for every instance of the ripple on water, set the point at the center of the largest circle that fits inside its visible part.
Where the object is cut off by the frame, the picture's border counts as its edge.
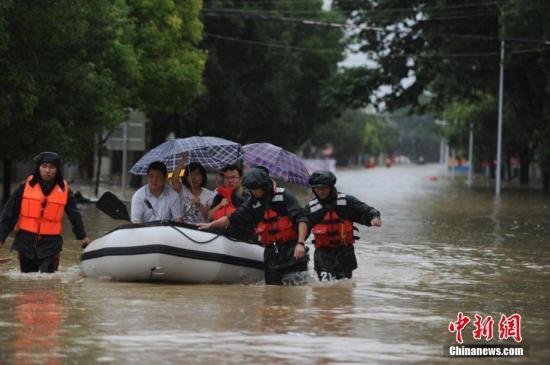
(234, 346)
(72, 273)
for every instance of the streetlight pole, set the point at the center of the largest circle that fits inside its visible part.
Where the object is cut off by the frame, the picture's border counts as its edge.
(499, 133)
(124, 157)
(471, 155)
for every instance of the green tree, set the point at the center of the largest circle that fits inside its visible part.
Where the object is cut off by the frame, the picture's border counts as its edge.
(65, 69)
(71, 67)
(265, 77)
(482, 114)
(167, 33)
(355, 133)
(450, 49)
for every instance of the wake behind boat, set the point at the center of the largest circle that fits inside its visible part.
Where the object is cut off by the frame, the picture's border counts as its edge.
(171, 251)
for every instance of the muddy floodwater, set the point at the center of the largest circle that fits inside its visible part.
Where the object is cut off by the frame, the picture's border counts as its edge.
(443, 249)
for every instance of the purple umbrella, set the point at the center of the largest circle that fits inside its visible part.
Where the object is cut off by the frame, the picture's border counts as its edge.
(281, 163)
(211, 152)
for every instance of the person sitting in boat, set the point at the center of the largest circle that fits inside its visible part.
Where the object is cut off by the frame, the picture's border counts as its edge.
(196, 199)
(280, 224)
(331, 215)
(156, 201)
(37, 208)
(230, 195)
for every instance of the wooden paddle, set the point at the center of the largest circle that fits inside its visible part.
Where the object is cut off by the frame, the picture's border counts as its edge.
(113, 206)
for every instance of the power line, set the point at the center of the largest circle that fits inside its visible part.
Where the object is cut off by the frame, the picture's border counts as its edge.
(381, 29)
(273, 45)
(452, 15)
(361, 2)
(293, 20)
(469, 55)
(411, 55)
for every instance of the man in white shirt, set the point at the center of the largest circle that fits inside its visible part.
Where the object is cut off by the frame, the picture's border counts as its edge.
(156, 200)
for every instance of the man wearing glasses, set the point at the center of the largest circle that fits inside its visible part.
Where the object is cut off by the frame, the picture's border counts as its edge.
(229, 197)
(37, 207)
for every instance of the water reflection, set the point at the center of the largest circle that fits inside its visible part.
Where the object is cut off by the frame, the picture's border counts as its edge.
(38, 339)
(331, 309)
(279, 310)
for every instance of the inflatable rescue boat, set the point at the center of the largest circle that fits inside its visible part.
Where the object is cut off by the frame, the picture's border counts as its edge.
(168, 251)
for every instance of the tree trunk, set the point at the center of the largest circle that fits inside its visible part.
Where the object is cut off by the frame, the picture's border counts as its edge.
(508, 167)
(525, 162)
(546, 180)
(7, 180)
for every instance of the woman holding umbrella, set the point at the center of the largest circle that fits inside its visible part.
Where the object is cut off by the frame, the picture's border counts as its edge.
(196, 199)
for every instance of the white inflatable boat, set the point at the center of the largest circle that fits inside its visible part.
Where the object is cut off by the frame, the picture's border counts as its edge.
(172, 252)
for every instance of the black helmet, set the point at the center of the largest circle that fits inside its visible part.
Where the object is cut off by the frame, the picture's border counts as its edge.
(322, 178)
(256, 178)
(48, 157)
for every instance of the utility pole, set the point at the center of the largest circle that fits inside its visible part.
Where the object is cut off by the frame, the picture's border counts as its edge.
(124, 157)
(442, 151)
(500, 103)
(471, 155)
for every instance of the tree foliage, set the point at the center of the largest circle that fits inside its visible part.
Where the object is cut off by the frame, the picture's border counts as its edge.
(265, 77)
(65, 66)
(356, 133)
(166, 37)
(450, 51)
(71, 67)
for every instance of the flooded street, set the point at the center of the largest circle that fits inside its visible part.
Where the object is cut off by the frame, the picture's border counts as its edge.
(443, 249)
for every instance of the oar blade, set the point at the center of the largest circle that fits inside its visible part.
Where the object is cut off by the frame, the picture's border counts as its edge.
(112, 206)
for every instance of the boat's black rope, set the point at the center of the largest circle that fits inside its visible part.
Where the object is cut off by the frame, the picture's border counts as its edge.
(174, 225)
(191, 239)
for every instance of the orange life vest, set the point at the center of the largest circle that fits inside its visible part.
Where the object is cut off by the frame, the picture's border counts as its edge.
(333, 231)
(226, 193)
(275, 228)
(42, 214)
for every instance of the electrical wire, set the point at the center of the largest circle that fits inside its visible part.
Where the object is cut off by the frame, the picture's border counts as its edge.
(273, 45)
(360, 2)
(410, 55)
(380, 29)
(432, 17)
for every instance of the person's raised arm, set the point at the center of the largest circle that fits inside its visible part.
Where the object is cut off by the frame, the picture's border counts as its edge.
(364, 214)
(175, 181)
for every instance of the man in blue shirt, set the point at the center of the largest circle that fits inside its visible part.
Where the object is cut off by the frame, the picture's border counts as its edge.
(165, 203)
